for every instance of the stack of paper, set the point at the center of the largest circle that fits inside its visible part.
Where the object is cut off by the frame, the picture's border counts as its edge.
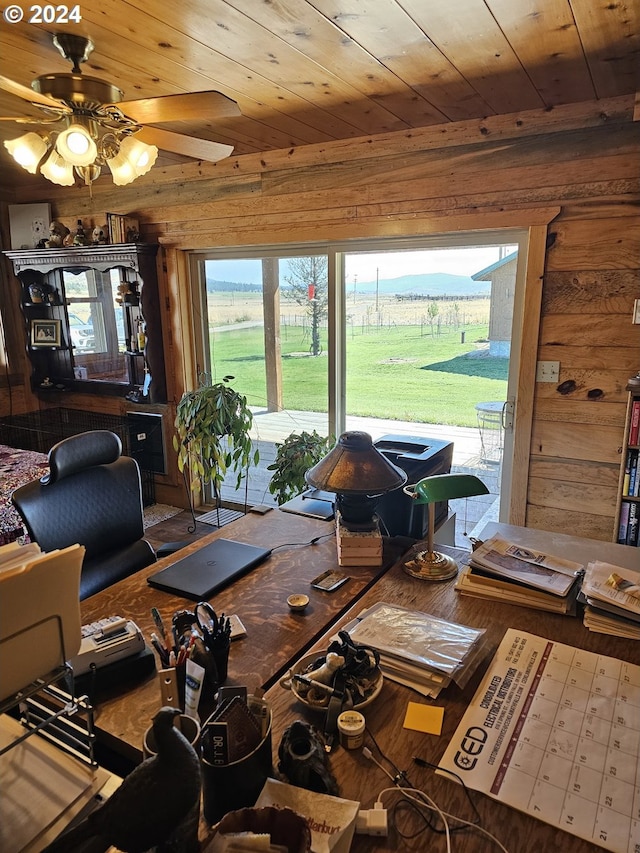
(612, 597)
(505, 571)
(43, 789)
(417, 649)
(358, 548)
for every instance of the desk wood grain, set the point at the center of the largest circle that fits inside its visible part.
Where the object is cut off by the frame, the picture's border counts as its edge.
(361, 780)
(275, 635)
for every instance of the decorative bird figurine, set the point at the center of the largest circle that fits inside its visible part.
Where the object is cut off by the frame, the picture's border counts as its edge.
(151, 802)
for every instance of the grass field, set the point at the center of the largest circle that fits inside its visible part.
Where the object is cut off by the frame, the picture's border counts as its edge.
(393, 371)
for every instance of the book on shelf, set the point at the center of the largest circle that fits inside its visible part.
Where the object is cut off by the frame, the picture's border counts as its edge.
(122, 229)
(631, 484)
(634, 425)
(623, 525)
(633, 524)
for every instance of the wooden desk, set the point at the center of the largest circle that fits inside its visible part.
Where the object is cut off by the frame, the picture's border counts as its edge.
(275, 635)
(360, 779)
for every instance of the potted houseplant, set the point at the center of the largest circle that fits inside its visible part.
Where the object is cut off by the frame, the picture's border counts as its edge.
(212, 435)
(294, 456)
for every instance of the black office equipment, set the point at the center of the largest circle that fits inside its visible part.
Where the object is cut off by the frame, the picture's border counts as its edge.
(200, 574)
(419, 457)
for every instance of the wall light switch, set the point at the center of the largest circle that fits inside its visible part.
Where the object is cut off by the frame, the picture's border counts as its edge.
(636, 311)
(547, 371)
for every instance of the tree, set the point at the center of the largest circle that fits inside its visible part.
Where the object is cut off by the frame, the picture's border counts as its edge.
(308, 281)
(432, 313)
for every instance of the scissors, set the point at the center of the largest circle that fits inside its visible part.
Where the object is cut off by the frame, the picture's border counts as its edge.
(211, 627)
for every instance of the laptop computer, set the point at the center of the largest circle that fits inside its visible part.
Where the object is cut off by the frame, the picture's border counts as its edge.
(312, 503)
(201, 574)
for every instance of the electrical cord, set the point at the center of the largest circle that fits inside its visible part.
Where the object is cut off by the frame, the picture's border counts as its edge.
(313, 541)
(419, 800)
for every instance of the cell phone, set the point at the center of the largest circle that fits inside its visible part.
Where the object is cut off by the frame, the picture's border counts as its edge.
(329, 581)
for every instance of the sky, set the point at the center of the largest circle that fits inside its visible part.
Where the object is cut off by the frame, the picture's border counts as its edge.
(388, 264)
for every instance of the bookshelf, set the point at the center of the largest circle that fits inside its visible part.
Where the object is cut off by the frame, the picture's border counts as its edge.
(627, 523)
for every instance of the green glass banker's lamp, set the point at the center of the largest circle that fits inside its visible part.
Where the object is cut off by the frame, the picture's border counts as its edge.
(430, 565)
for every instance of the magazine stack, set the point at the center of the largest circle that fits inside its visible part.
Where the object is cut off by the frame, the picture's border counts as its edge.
(506, 571)
(612, 600)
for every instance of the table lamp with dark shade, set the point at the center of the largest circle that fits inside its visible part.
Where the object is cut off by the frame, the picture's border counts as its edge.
(430, 565)
(358, 473)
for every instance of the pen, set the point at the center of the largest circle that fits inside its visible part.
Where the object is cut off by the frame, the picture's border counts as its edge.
(162, 652)
(157, 618)
(311, 683)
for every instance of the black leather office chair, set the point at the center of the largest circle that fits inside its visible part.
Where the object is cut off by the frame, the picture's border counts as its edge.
(92, 496)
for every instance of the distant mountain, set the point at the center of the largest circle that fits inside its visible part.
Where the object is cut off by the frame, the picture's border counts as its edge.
(430, 283)
(214, 286)
(424, 284)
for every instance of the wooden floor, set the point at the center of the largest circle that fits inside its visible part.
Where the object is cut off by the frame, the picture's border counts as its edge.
(176, 529)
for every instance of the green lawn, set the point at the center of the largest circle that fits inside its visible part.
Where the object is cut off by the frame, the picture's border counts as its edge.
(394, 372)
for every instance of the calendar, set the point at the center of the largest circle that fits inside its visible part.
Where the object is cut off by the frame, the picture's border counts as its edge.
(554, 731)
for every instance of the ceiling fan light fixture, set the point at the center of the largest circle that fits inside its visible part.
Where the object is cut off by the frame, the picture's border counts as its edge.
(57, 170)
(76, 145)
(27, 150)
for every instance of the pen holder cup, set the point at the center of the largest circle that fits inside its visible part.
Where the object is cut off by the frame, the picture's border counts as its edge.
(173, 681)
(237, 785)
(221, 657)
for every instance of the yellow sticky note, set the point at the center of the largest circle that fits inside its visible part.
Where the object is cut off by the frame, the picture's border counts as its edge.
(424, 718)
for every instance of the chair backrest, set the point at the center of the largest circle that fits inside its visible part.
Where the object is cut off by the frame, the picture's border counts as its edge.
(92, 496)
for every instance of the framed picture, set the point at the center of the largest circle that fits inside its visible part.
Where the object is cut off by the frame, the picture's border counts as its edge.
(28, 224)
(46, 333)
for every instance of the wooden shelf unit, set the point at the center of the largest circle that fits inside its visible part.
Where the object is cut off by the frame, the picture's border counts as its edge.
(627, 523)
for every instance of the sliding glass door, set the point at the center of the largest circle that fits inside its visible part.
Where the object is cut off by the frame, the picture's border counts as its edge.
(404, 337)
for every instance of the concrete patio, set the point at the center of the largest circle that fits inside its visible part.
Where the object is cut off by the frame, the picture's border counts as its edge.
(469, 456)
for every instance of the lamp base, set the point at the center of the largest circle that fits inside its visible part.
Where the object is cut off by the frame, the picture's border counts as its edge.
(431, 566)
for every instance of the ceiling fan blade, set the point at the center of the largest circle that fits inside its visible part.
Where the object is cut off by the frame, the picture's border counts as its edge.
(28, 94)
(190, 146)
(194, 105)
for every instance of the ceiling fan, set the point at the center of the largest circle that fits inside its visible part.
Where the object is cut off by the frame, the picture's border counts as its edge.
(88, 125)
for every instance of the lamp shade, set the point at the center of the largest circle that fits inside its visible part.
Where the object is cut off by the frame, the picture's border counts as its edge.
(57, 170)
(134, 158)
(355, 467)
(27, 150)
(446, 487)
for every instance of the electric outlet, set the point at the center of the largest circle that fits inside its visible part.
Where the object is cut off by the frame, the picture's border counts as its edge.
(547, 371)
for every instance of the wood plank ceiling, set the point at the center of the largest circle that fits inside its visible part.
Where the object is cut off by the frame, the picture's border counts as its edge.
(312, 71)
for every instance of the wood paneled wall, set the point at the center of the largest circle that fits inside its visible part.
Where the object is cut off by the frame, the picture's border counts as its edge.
(582, 160)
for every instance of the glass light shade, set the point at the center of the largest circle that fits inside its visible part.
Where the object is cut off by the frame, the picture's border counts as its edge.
(134, 158)
(57, 170)
(27, 150)
(76, 146)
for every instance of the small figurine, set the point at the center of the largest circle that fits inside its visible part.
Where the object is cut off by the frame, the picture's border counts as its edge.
(80, 238)
(98, 236)
(57, 234)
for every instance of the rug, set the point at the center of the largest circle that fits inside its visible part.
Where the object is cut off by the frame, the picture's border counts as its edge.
(157, 513)
(17, 467)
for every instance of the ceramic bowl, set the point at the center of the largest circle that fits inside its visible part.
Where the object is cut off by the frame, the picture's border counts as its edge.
(289, 683)
(298, 602)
